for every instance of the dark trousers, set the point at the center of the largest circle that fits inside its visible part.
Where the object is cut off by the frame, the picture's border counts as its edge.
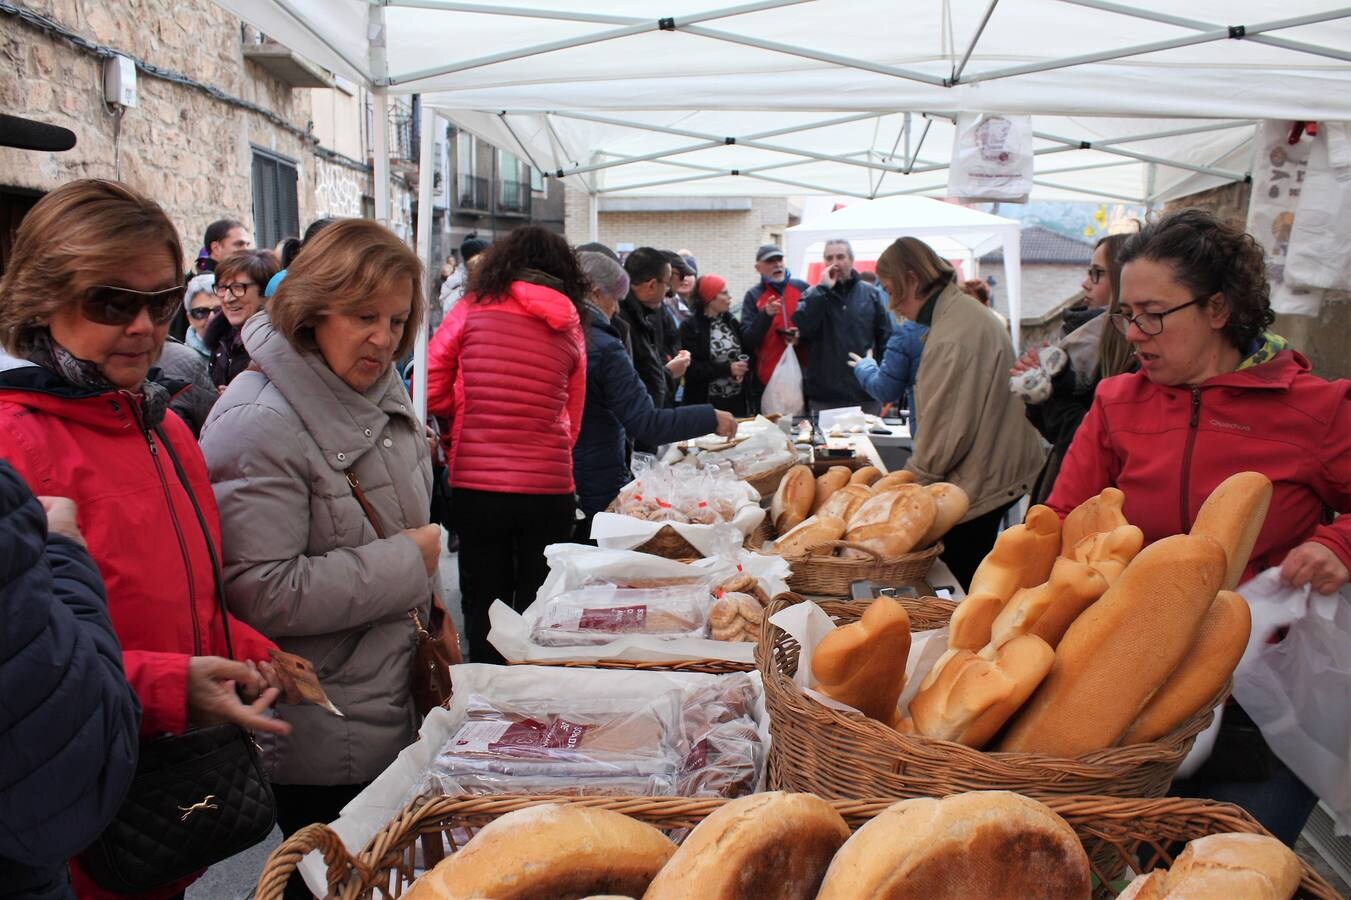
(502, 541)
(967, 544)
(299, 805)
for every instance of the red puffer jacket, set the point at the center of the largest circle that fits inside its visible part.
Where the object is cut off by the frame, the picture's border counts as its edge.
(512, 377)
(142, 532)
(1167, 448)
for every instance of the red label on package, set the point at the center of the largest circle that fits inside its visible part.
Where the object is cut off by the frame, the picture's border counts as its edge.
(529, 734)
(613, 619)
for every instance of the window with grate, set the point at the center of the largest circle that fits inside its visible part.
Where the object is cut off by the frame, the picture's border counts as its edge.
(276, 205)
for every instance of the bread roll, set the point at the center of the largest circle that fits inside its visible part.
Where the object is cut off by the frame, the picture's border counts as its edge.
(1109, 552)
(828, 483)
(792, 502)
(973, 697)
(893, 522)
(893, 480)
(551, 850)
(952, 505)
(862, 664)
(865, 476)
(1233, 514)
(772, 845)
(986, 844)
(1199, 677)
(1022, 557)
(1121, 650)
(1221, 867)
(1048, 609)
(815, 530)
(846, 501)
(1094, 515)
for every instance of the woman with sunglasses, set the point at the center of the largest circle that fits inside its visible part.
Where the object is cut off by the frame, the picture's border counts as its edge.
(1216, 394)
(240, 280)
(200, 303)
(85, 305)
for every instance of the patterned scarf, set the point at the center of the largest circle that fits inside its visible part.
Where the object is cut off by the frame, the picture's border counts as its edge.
(81, 373)
(1264, 350)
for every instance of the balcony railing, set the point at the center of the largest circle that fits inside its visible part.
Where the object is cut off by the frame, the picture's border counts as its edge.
(514, 198)
(473, 193)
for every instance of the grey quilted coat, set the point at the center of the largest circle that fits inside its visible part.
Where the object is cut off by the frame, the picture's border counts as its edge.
(302, 563)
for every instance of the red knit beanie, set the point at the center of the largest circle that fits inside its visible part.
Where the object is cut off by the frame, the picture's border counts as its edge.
(710, 286)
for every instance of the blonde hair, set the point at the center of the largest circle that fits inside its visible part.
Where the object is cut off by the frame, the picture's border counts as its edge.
(911, 255)
(72, 239)
(338, 271)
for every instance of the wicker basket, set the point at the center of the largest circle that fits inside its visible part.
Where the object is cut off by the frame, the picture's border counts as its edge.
(830, 576)
(768, 482)
(667, 541)
(839, 755)
(704, 666)
(1138, 833)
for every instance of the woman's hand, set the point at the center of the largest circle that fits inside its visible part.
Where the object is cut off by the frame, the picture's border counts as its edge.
(212, 697)
(854, 360)
(1029, 360)
(428, 540)
(1314, 564)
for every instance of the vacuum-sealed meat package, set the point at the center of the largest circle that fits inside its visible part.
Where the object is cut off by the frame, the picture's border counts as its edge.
(598, 613)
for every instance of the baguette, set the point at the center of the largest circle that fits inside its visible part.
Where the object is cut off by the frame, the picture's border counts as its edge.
(828, 483)
(810, 533)
(865, 476)
(973, 697)
(1022, 557)
(1094, 515)
(1109, 552)
(846, 501)
(1121, 650)
(952, 504)
(1233, 514)
(1199, 677)
(863, 664)
(792, 502)
(893, 522)
(1250, 866)
(1048, 609)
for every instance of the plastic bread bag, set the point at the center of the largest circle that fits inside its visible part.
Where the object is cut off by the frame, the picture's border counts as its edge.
(597, 613)
(722, 750)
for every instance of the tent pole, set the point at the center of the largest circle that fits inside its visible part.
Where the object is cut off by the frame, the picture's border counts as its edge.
(847, 62)
(425, 219)
(1143, 157)
(971, 47)
(380, 134)
(593, 216)
(450, 6)
(1101, 194)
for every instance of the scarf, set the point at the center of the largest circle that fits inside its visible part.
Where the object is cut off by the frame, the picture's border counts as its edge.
(778, 286)
(1264, 349)
(83, 374)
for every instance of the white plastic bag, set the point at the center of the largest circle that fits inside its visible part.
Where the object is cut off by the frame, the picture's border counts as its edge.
(1320, 255)
(783, 394)
(991, 158)
(1296, 691)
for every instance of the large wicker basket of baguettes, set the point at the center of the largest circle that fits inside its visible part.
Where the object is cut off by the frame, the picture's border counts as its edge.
(850, 524)
(1131, 835)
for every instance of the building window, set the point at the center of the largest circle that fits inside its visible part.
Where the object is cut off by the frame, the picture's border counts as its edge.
(276, 206)
(513, 193)
(538, 183)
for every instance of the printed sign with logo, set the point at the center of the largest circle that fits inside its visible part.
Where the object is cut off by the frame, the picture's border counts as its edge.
(991, 158)
(1277, 184)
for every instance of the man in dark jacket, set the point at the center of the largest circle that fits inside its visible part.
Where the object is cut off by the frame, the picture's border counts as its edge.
(68, 718)
(650, 330)
(843, 314)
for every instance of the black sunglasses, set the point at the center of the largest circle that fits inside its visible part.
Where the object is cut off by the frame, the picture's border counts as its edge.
(111, 305)
(203, 312)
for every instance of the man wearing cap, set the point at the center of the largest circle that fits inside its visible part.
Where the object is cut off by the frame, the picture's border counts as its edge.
(767, 310)
(843, 314)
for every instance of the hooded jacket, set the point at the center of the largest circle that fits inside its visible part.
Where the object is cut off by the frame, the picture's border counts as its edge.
(836, 321)
(511, 376)
(618, 407)
(68, 723)
(1168, 447)
(303, 564)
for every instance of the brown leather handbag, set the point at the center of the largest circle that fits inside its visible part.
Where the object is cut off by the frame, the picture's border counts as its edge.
(437, 643)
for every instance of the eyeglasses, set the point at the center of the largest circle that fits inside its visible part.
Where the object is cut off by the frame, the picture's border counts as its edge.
(203, 312)
(1150, 323)
(111, 305)
(1095, 274)
(238, 288)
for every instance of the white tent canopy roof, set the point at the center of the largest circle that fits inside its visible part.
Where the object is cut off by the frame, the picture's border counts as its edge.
(1136, 102)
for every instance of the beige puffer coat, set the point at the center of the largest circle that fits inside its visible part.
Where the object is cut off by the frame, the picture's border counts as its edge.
(303, 565)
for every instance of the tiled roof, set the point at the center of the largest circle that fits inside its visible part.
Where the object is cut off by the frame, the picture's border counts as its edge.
(1041, 245)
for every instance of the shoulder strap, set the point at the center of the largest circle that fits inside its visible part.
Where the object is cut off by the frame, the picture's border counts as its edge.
(365, 504)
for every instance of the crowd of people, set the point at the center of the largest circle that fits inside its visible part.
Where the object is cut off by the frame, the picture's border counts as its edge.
(267, 472)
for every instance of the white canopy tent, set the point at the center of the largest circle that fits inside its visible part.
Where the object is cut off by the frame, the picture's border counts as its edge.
(953, 231)
(1131, 102)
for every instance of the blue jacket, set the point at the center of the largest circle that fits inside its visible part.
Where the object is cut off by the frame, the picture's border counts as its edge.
(68, 718)
(848, 317)
(894, 378)
(618, 407)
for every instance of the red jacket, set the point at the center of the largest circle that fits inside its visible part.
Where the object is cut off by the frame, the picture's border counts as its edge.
(142, 532)
(511, 375)
(1167, 448)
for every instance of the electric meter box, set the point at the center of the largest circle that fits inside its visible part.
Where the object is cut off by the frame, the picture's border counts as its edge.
(119, 81)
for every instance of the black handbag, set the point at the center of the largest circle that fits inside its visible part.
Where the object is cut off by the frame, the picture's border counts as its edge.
(198, 797)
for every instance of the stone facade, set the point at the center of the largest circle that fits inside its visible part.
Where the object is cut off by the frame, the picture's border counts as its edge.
(191, 151)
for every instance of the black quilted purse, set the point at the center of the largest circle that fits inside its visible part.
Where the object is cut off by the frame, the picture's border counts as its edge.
(198, 797)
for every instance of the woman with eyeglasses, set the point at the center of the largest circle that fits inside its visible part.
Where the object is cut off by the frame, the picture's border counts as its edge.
(85, 305)
(1093, 351)
(240, 281)
(1216, 394)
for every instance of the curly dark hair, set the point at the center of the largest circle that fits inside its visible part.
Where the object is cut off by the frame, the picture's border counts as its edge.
(1210, 256)
(524, 255)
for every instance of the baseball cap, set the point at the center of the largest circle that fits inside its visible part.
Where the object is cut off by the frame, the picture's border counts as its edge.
(27, 134)
(768, 251)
